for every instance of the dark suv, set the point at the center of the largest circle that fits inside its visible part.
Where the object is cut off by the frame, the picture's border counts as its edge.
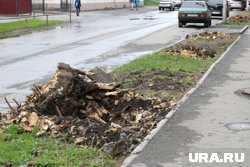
(216, 7)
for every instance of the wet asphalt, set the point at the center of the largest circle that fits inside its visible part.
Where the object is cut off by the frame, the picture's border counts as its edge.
(216, 116)
(106, 38)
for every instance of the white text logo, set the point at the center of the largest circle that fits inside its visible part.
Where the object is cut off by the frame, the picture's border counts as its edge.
(216, 158)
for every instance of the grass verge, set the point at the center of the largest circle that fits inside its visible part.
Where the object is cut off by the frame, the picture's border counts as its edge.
(21, 24)
(151, 3)
(19, 148)
(168, 76)
(163, 61)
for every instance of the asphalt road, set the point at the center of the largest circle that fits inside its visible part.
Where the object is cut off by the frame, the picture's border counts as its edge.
(98, 38)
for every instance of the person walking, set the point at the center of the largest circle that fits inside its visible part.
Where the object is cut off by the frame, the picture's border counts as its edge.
(132, 4)
(78, 6)
(137, 3)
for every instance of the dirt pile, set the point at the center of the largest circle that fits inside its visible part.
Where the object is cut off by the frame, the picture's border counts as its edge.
(240, 18)
(190, 50)
(88, 112)
(209, 36)
(200, 45)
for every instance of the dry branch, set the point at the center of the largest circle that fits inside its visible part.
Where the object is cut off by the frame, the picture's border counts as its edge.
(6, 100)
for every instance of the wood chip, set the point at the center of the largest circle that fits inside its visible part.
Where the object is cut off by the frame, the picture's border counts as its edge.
(26, 128)
(33, 119)
(80, 140)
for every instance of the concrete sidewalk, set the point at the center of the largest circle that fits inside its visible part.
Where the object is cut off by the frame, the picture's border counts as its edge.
(215, 115)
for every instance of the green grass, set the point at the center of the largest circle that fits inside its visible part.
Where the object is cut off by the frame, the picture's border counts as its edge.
(18, 148)
(31, 23)
(151, 3)
(162, 61)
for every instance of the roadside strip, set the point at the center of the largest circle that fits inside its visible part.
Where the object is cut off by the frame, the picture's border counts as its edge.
(149, 137)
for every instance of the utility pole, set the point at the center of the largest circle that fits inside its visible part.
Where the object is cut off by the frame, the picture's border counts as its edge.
(70, 11)
(43, 6)
(224, 11)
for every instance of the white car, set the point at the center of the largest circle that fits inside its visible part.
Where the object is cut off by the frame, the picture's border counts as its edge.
(166, 4)
(177, 3)
(237, 4)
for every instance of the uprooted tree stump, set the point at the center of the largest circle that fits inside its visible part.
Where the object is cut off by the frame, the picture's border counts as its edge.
(91, 113)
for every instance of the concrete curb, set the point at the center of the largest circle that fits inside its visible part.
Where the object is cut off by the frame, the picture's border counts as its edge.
(243, 29)
(150, 136)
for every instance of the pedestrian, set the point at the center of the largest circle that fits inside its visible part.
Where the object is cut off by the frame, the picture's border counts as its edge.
(78, 6)
(132, 4)
(137, 3)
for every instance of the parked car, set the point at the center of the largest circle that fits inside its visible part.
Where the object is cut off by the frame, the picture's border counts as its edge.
(177, 3)
(237, 4)
(194, 12)
(216, 6)
(166, 4)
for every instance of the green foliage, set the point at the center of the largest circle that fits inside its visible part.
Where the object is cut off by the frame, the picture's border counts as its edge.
(31, 23)
(151, 3)
(18, 148)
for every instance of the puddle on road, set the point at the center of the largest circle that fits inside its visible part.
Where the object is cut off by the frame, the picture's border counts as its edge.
(243, 92)
(241, 126)
(246, 91)
(134, 19)
(149, 18)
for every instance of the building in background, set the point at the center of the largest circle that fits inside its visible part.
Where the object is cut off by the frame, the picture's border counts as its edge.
(64, 5)
(15, 7)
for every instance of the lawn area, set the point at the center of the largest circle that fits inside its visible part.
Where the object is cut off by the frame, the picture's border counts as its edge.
(162, 75)
(167, 75)
(31, 23)
(151, 3)
(20, 148)
(163, 61)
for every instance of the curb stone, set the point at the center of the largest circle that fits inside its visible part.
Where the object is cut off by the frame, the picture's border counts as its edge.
(243, 29)
(150, 136)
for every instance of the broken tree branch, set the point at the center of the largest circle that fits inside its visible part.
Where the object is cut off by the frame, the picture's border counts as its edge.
(6, 100)
(37, 89)
(59, 111)
(18, 104)
(95, 117)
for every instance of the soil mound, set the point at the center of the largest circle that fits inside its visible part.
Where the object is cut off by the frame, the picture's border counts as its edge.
(89, 112)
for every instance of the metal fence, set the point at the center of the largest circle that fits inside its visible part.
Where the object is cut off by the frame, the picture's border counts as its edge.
(45, 5)
(15, 6)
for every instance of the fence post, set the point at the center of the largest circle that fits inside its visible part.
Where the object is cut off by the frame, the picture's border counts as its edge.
(47, 20)
(17, 7)
(31, 7)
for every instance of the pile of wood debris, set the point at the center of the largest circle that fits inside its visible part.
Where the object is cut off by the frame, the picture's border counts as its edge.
(209, 36)
(240, 18)
(91, 113)
(191, 50)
